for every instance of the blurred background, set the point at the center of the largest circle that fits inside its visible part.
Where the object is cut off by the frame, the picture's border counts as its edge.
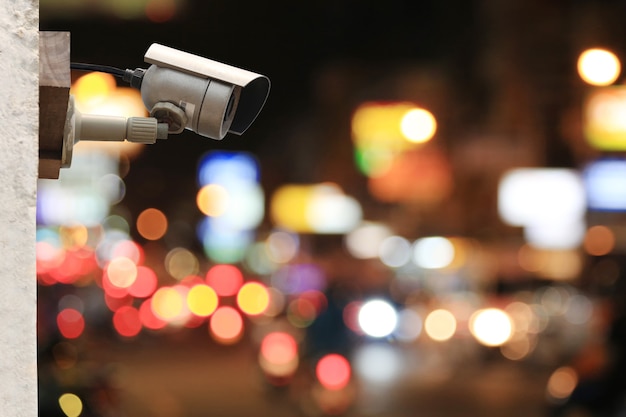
(426, 219)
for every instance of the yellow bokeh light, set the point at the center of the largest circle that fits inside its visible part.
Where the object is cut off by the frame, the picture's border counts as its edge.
(289, 207)
(212, 200)
(562, 382)
(92, 89)
(253, 298)
(318, 208)
(418, 125)
(122, 101)
(598, 67)
(491, 326)
(75, 236)
(604, 125)
(202, 300)
(71, 404)
(440, 325)
(383, 130)
(97, 93)
(167, 303)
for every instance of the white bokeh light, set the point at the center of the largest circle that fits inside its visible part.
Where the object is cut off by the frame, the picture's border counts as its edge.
(377, 318)
(433, 252)
(378, 363)
(598, 67)
(395, 251)
(409, 325)
(363, 242)
(491, 326)
(418, 125)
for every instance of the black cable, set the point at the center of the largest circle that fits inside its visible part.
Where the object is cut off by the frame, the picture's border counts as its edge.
(100, 68)
(133, 77)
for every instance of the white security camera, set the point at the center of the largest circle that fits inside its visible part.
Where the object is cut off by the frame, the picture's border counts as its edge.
(181, 91)
(202, 95)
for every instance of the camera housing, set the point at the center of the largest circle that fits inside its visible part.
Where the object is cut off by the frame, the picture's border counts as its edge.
(208, 97)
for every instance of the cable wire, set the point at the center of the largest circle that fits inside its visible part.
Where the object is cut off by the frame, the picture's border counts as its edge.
(117, 72)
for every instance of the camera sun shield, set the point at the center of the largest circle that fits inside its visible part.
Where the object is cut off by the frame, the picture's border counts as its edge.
(216, 98)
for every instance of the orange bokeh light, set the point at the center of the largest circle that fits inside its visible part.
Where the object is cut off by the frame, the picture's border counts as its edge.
(226, 325)
(599, 240)
(212, 200)
(152, 224)
(279, 347)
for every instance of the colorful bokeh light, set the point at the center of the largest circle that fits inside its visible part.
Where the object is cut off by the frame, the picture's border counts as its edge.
(167, 303)
(152, 224)
(202, 300)
(225, 279)
(278, 354)
(333, 371)
(127, 321)
(121, 272)
(212, 200)
(253, 298)
(70, 323)
(418, 125)
(562, 383)
(491, 326)
(604, 126)
(598, 66)
(440, 325)
(314, 208)
(226, 325)
(145, 284)
(71, 404)
(377, 318)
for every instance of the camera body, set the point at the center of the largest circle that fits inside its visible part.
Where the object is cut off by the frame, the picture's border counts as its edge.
(208, 97)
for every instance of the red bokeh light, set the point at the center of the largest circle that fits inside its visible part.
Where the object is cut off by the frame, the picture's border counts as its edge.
(126, 321)
(145, 283)
(70, 323)
(114, 303)
(333, 371)
(225, 279)
(148, 318)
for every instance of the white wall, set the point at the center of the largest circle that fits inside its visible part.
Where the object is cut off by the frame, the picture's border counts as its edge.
(19, 113)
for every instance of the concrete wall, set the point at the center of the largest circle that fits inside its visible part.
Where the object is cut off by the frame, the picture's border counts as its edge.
(19, 113)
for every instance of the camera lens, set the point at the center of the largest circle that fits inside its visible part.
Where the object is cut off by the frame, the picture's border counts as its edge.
(230, 107)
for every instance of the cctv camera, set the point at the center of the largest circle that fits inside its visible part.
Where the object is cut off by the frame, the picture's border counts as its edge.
(199, 94)
(181, 91)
